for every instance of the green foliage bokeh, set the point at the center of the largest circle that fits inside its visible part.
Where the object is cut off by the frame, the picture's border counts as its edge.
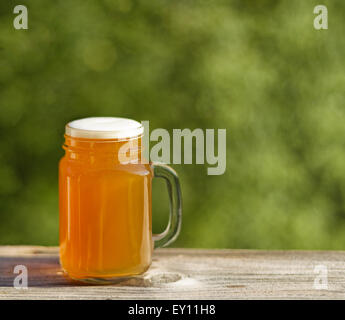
(257, 68)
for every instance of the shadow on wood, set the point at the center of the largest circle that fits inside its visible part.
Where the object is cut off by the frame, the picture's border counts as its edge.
(44, 270)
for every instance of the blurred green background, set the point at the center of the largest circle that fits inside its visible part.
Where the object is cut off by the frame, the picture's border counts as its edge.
(257, 68)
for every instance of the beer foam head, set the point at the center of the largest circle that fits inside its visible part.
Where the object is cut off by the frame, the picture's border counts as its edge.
(104, 128)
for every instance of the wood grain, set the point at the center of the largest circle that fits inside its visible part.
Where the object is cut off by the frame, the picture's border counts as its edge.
(184, 274)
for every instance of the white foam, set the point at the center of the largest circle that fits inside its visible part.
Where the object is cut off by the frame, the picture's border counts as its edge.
(104, 128)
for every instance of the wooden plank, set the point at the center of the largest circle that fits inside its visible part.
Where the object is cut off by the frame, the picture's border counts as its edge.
(184, 274)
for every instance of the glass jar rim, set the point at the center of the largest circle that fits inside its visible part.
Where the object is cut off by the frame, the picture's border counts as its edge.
(104, 128)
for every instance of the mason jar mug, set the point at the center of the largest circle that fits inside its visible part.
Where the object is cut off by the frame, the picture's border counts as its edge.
(105, 203)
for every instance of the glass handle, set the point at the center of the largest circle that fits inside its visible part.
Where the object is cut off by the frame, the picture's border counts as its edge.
(174, 190)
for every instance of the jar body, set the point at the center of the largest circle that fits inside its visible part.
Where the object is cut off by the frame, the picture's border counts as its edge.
(105, 212)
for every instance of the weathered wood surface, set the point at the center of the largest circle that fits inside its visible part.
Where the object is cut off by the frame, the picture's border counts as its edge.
(184, 274)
